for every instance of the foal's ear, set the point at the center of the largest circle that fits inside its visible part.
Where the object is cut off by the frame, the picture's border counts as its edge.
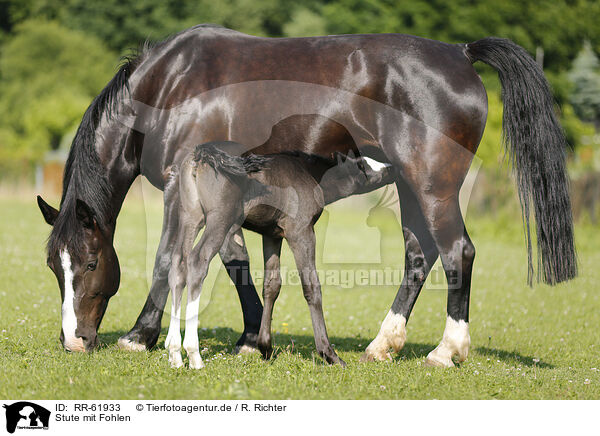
(85, 214)
(339, 157)
(48, 211)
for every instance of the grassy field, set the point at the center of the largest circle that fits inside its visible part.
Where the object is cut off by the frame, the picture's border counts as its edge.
(536, 343)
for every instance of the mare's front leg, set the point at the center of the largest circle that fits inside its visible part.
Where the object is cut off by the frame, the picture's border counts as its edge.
(146, 330)
(235, 258)
(302, 244)
(271, 288)
(217, 228)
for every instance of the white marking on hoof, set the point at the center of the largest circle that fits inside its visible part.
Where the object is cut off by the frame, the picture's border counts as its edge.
(175, 359)
(391, 335)
(128, 345)
(173, 340)
(376, 165)
(69, 319)
(190, 341)
(195, 360)
(245, 349)
(455, 343)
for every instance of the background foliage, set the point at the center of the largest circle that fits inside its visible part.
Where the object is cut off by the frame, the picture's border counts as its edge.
(56, 56)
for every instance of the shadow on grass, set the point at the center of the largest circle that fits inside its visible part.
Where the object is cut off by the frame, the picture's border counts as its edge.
(223, 339)
(513, 357)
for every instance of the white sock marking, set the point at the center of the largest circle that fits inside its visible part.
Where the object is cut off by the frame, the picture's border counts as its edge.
(69, 319)
(391, 335)
(173, 341)
(190, 341)
(455, 342)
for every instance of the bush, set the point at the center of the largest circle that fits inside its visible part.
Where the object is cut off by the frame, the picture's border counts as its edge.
(49, 76)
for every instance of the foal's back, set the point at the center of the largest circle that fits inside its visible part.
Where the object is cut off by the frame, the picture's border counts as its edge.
(268, 192)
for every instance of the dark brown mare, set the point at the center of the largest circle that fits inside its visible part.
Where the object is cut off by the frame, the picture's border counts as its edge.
(409, 101)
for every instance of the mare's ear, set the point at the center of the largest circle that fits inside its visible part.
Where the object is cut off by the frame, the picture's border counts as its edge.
(48, 211)
(85, 214)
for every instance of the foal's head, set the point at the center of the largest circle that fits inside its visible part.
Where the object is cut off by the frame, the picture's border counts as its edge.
(354, 175)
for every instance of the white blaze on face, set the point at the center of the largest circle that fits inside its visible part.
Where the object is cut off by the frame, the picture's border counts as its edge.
(69, 320)
(375, 165)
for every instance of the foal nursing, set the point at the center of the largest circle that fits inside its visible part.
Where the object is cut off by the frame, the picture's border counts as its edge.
(279, 196)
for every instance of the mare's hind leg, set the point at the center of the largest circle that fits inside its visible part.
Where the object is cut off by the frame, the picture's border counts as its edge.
(187, 230)
(434, 167)
(457, 253)
(302, 244)
(271, 288)
(420, 255)
(217, 229)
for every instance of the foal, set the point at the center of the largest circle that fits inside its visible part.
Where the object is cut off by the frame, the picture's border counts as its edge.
(279, 196)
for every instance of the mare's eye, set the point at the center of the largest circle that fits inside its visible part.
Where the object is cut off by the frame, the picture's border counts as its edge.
(92, 265)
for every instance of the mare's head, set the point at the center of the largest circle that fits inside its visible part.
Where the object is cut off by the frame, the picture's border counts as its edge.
(82, 257)
(80, 247)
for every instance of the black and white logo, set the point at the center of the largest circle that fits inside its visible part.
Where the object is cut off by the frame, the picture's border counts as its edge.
(26, 415)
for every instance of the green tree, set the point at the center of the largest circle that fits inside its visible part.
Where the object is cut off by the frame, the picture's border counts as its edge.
(585, 78)
(49, 75)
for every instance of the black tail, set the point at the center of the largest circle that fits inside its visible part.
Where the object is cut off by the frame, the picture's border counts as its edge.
(212, 155)
(536, 146)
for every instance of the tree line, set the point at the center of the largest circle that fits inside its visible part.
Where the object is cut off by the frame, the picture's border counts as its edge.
(55, 56)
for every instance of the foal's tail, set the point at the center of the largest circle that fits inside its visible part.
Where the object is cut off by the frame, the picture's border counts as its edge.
(536, 147)
(212, 155)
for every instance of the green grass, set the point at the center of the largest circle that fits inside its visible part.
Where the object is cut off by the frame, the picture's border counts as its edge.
(540, 343)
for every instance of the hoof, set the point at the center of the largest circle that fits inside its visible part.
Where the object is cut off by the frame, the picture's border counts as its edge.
(245, 349)
(341, 363)
(369, 356)
(438, 362)
(247, 344)
(195, 361)
(175, 360)
(129, 345)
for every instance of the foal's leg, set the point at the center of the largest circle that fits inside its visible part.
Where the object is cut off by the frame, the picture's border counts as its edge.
(187, 231)
(271, 288)
(302, 244)
(420, 255)
(198, 261)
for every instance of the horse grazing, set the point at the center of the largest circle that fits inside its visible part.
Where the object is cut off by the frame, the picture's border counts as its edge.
(279, 196)
(412, 102)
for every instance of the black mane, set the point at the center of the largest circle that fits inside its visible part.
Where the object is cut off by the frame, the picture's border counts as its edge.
(83, 166)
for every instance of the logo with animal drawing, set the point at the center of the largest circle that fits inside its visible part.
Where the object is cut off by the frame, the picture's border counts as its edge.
(27, 416)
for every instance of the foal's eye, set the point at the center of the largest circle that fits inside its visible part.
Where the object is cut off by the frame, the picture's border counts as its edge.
(92, 265)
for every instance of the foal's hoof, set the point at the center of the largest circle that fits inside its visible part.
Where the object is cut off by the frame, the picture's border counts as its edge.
(127, 344)
(175, 360)
(433, 360)
(195, 361)
(381, 356)
(341, 363)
